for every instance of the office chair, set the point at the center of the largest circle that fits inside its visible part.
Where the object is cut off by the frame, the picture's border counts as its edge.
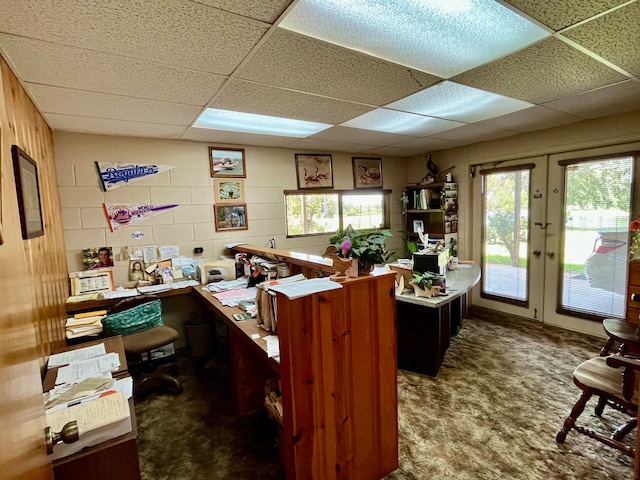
(613, 380)
(139, 320)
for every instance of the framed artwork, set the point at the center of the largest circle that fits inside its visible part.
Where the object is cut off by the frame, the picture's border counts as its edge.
(367, 172)
(231, 217)
(26, 174)
(418, 226)
(314, 171)
(227, 162)
(228, 191)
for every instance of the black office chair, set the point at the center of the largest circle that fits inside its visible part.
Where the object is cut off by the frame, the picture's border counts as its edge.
(139, 320)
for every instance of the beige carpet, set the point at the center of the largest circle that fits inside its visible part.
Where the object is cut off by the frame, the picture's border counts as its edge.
(492, 413)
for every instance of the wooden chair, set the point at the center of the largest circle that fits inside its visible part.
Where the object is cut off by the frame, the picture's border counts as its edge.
(139, 320)
(613, 380)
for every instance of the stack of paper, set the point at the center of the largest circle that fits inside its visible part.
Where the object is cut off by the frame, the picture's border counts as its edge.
(86, 393)
(84, 324)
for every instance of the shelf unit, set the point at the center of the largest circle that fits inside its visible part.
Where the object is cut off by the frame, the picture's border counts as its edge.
(436, 206)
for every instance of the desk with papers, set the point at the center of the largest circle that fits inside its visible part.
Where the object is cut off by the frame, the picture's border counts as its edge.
(104, 411)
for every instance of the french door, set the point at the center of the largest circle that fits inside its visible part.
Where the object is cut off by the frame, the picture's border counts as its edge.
(553, 237)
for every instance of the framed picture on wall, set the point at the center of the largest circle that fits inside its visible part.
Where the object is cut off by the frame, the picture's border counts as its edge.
(367, 172)
(227, 162)
(231, 217)
(228, 191)
(314, 171)
(26, 175)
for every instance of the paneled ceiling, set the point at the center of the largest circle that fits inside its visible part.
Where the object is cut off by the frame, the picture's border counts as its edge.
(150, 69)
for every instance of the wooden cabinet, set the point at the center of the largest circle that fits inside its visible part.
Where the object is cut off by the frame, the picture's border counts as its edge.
(435, 208)
(338, 380)
(633, 288)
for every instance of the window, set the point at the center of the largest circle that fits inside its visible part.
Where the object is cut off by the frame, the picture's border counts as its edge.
(321, 212)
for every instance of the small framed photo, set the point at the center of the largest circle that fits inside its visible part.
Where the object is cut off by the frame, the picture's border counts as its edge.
(314, 171)
(418, 226)
(27, 187)
(228, 191)
(231, 217)
(227, 162)
(367, 172)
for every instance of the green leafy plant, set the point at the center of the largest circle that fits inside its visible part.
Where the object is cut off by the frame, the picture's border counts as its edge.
(365, 245)
(424, 280)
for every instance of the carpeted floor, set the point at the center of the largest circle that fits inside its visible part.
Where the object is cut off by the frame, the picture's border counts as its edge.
(492, 413)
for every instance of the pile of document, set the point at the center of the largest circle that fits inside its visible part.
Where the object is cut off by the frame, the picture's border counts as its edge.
(86, 392)
(85, 324)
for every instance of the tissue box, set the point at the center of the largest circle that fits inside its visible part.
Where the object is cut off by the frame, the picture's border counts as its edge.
(431, 262)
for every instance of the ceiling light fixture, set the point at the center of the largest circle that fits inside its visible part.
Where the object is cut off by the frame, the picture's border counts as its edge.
(228, 120)
(440, 37)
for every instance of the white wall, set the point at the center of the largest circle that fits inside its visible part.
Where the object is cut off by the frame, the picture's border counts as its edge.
(270, 171)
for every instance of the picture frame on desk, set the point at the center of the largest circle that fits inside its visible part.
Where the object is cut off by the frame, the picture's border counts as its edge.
(28, 190)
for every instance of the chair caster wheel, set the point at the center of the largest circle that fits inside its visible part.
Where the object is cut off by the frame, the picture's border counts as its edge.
(561, 437)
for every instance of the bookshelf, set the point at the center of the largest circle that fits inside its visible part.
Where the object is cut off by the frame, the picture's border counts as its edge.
(435, 207)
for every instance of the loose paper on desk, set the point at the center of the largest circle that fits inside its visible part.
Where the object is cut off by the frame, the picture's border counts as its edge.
(273, 346)
(91, 415)
(306, 287)
(91, 367)
(65, 358)
(120, 293)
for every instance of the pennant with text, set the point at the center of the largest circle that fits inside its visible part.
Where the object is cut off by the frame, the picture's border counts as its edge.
(122, 215)
(116, 175)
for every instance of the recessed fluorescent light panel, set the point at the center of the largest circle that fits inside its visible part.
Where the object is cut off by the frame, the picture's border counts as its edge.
(390, 121)
(263, 124)
(440, 37)
(452, 101)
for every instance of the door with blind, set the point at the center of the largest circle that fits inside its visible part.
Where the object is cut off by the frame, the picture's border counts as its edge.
(554, 238)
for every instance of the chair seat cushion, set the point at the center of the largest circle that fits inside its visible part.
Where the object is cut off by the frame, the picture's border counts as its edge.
(134, 320)
(596, 374)
(148, 340)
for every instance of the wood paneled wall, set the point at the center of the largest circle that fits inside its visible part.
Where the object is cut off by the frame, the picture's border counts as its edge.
(33, 285)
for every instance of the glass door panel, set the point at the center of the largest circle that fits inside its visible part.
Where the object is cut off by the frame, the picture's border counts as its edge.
(505, 235)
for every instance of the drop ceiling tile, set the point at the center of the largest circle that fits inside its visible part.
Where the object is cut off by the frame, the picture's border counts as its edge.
(66, 101)
(263, 10)
(559, 15)
(235, 138)
(426, 144)
(540, 73)
(394, 151)
(297, 62)
(102, 126)
(41, 62)
(251, 97)
(392, 121)
(473, 133)
(614, 36)
(364, 137)
(530, 120)
(210, 40)
(619, 98)
(327, 145)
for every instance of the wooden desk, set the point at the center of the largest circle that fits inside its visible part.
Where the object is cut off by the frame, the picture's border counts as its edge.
(111, 460)
(87, 305)
(250, 365)
(426, 325)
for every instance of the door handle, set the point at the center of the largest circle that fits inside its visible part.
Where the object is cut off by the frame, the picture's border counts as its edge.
(537, 253)
(550, 254)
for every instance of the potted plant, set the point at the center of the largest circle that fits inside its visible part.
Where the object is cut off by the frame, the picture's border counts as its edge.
(425, 284)
(367, 246)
